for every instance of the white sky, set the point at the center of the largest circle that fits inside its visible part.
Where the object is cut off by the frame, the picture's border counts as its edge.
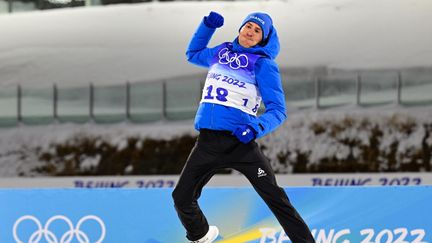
(112, 44)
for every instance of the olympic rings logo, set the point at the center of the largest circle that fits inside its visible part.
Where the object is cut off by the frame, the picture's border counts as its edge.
(67, 237)
(234, 60)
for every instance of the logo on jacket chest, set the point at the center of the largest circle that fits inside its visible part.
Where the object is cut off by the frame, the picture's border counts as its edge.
(234, 60)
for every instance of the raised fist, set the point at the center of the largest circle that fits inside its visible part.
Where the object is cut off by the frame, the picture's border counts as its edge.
(214, 20)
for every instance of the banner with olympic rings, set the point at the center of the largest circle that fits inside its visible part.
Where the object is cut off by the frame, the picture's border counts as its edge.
(334, 214)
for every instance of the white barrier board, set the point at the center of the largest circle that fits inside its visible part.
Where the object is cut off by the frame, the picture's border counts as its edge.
(361, 179)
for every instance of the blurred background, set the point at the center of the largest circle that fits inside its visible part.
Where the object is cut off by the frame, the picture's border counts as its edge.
(102, 88)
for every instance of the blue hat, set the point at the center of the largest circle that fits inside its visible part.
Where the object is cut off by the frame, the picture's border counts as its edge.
(262, 19)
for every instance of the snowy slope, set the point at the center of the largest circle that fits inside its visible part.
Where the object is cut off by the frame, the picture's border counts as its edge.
(17, 145)
(147, 41)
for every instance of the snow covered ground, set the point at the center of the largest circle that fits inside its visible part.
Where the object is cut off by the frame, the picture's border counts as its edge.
(17, 144)
(112, 44)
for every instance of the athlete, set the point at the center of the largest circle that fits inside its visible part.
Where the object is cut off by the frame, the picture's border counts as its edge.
(241, 74)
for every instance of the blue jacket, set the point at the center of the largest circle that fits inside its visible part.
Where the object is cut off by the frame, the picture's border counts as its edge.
(219, 117)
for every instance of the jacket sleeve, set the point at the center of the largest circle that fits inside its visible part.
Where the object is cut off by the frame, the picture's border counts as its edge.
(270, 87)
(197, 51)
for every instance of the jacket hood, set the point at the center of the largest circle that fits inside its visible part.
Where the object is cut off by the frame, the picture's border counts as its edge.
(270, 48)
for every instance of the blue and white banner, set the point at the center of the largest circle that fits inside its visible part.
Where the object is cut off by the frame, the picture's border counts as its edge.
(334, 214)
(162, 181)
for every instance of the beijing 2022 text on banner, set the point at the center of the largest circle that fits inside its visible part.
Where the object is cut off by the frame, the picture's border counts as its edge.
(334, 214)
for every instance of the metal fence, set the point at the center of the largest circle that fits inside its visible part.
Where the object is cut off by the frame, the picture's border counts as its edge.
(365, 88)
(178, 99)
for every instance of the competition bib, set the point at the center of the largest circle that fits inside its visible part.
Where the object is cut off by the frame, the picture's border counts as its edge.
(231, 82)
(223, 90)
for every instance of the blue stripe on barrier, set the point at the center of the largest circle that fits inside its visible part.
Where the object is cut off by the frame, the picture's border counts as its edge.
(335, 214)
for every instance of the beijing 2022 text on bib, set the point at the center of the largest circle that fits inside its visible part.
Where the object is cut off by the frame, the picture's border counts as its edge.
(231, 81)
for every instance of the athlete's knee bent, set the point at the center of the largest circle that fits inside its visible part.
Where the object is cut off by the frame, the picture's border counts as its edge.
(179, 198)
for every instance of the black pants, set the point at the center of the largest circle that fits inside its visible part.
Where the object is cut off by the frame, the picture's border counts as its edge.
(215, 150)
